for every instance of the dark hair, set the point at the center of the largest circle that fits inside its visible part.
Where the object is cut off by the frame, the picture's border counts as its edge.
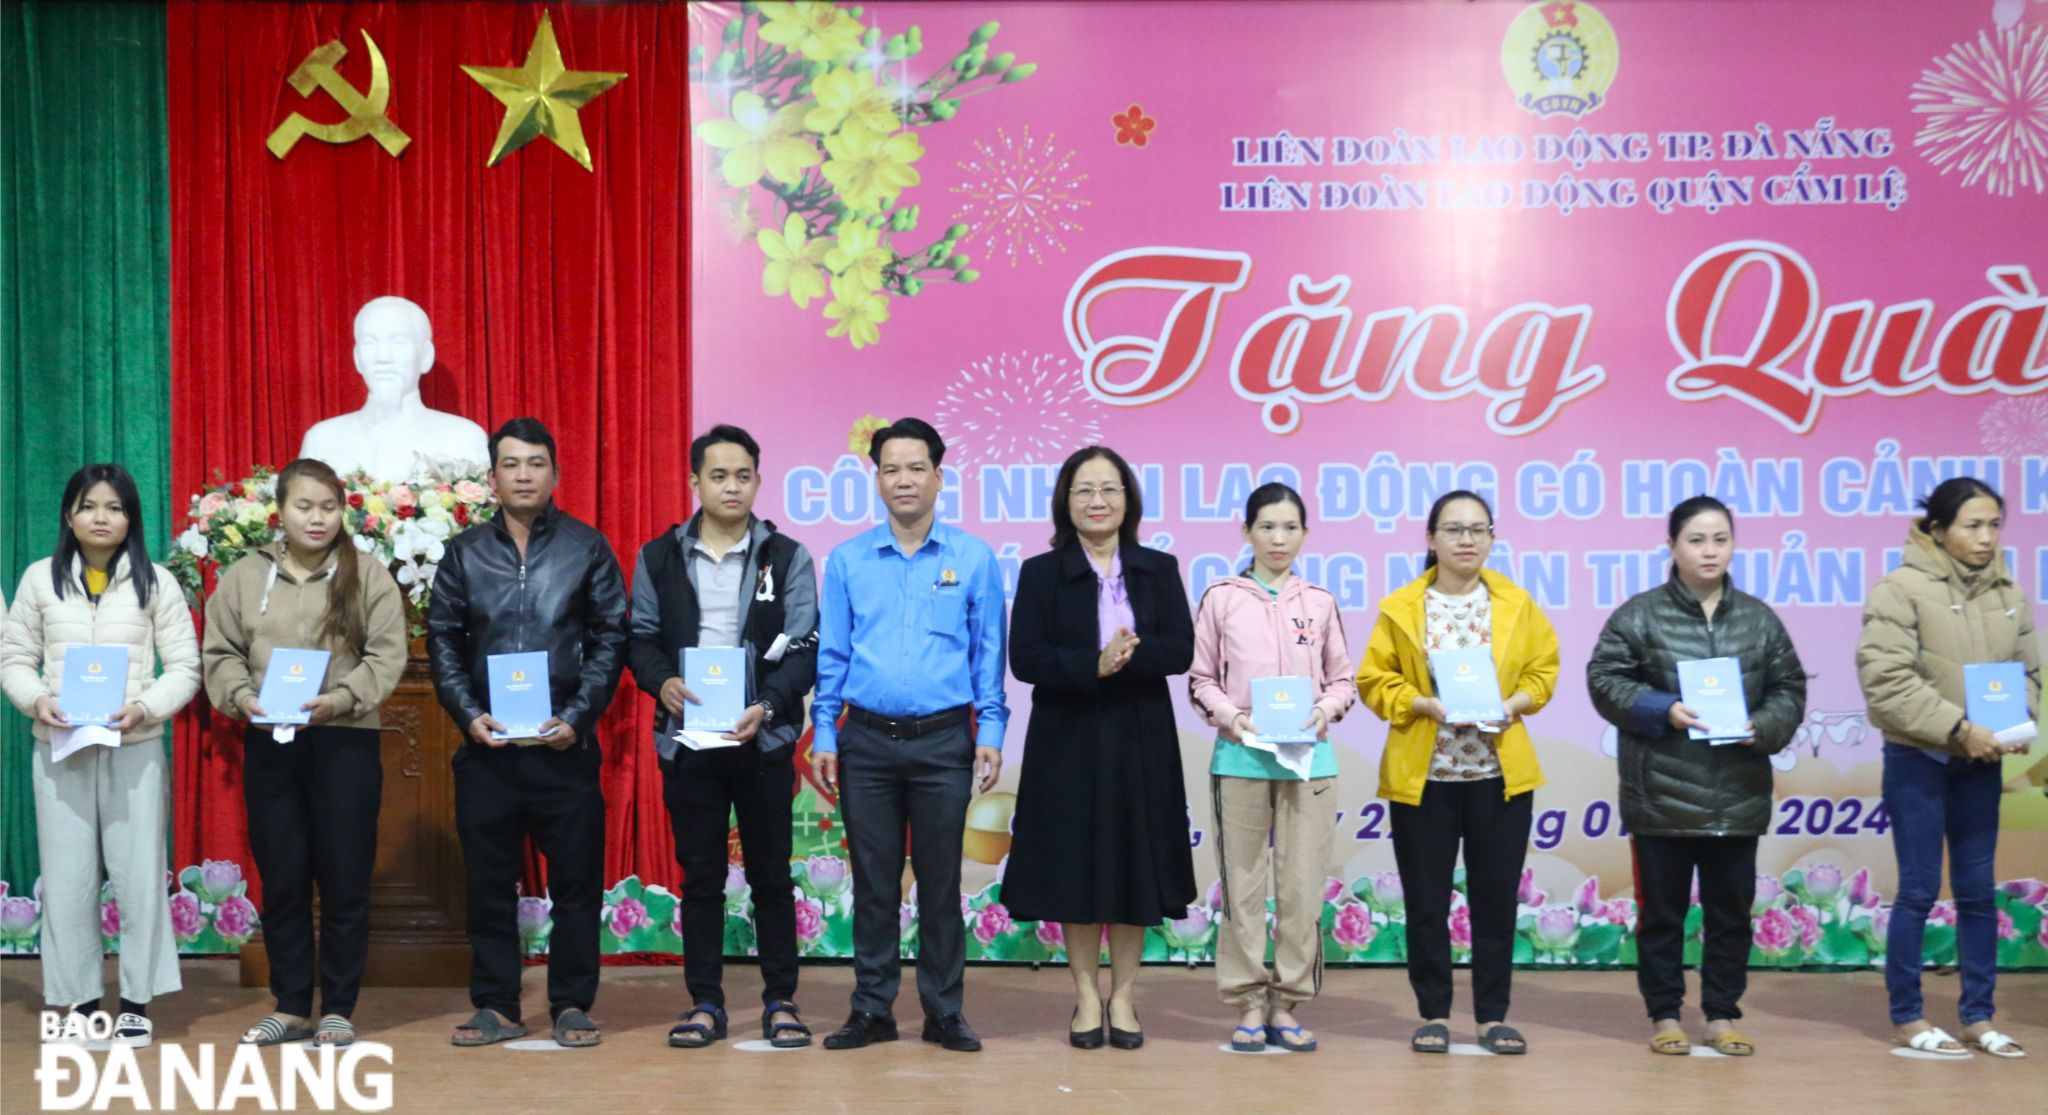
(140, 571)
(346, 619)
(1692, 508)
(1941, 506)
(1437, 509)
(1264, 496)
(722, 434)
(916, 428)
(528, 430)
(1063, 529)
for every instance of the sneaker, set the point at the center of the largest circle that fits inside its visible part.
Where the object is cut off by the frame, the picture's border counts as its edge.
(132, 1029)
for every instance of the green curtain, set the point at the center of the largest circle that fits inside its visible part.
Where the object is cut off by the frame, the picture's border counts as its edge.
(84, 297)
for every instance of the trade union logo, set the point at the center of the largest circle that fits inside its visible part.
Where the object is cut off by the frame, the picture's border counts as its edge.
(519, 675)
(1560, 58)
(298, 668)
(717, 670)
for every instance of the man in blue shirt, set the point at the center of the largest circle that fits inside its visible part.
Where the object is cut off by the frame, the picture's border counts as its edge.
(911, 640)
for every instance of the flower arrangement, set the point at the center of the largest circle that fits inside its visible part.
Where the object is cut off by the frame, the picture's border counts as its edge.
(405, 525)
(819, 113)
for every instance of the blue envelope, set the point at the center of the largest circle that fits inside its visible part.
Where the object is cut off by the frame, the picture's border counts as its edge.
(95, 683)
(1468, 686)
(1279, 705)
(519, 693)
(1712, 688)
(292, 678)
(1995, 694)
(718, 676)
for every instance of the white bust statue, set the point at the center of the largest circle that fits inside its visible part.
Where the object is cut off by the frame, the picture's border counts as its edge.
(395, 436)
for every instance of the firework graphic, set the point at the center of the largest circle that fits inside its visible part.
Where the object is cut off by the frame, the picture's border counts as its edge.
(2016, 427)
(1986, 104)
(1018, 408)
(1021, 196)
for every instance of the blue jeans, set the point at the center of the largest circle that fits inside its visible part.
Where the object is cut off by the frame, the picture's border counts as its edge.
(1930, 801)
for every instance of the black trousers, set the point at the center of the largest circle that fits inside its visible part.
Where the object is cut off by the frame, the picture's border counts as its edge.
(701, 789)
(312, 807)
(1495, 834)
(502, 796)
(1664, 868)
(885, 784)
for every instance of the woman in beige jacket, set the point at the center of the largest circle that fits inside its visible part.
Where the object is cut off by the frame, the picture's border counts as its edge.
(312, 790)
(102, 805)
(1951, 604)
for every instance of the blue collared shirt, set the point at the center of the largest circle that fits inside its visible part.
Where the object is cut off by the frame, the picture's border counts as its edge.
(906, 635)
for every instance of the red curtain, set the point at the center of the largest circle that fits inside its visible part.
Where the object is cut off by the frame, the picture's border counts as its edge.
(554, 291)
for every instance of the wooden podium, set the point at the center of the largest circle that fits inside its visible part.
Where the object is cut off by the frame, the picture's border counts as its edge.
(417, 894)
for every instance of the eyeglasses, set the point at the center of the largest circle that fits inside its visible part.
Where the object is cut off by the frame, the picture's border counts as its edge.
(1476, 533)
(1110, 492)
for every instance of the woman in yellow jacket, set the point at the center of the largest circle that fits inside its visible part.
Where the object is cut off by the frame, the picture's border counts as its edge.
(1447, 783)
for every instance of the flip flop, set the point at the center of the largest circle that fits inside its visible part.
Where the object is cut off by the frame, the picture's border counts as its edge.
(274, 1030)
(1277, 1035)
(573, 1019)
(1435, 1030)
(336, 1031)
(490, 1030)
(1731, 1043)
(1501, 1032)
(1254, 1044)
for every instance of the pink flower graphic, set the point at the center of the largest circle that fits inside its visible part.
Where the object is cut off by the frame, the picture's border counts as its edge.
(2042, 936)
(1353, 927)
(1823, 882)
(1051, 935)
(1809, 925)
(1942, 913)
(1620, 911)
(1556, 929)
(827, 874)
(1586, 898)
(1768, 891)
(906, 921)
(235, 920)
(675, 919)
(1334, 889)
(2007, 931)
(1461, 928)
(1861, 893)
(990, 922)
(535, 918)
(628, 915)
(1527, 894)
(1188, 932)
(1387, 895)
(2026, 892)
(110, 918)
(810, 920)
(1776, 933)
(1214, 899)
(187, 922)
(1880, 926)
(218, 879)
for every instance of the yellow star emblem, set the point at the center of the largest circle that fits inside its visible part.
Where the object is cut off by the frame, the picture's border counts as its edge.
(541, 98)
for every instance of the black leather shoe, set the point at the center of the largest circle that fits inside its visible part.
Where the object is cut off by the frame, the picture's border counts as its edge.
(1083, 1039)
(953, 1032)
(862, 1029)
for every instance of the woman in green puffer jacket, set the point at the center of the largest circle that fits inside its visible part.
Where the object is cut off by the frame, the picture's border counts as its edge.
(1695, 803)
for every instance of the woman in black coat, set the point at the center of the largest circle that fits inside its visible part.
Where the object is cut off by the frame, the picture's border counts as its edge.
(1101, 829)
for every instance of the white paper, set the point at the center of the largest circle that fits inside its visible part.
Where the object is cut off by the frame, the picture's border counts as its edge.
(65, 742)
(1297, 758)
(284, 733)
(2019, 734)
(705, 741)
(778, 648)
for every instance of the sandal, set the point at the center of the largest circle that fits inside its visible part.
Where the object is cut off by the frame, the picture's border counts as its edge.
(686, 1034)
(572, 1019)
(1437, 1030)
(1731, 1043)
(1996, 1044)
(1254, 1044)
(335, 1030)
(133, 1030)
(1496, 1037)
(1671, 1041)
(277, 1029)
(489, 1028)
(1933, 1040)
(798, 1034)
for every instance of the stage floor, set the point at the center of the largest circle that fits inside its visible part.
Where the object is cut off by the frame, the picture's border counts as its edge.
(1822, 1041)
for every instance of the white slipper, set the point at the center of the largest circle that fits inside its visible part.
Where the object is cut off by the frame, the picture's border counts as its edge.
(1931, 1040)
(1997, 1044)
(133, 1030)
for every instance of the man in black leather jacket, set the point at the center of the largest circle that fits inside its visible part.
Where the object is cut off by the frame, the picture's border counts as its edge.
(532, 579)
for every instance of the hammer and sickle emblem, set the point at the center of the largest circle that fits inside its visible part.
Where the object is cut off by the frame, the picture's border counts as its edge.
(365, 112)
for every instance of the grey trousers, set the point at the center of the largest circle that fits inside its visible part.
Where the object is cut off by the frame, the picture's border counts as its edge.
(885, 784)
(105, 805)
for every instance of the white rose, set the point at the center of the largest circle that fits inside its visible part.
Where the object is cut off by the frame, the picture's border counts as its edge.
(194, 543)
(363, 543)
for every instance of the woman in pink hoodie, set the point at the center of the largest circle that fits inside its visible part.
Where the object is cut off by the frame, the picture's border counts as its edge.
(1269, 623)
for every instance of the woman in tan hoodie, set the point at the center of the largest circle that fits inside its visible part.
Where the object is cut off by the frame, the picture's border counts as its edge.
(1950, 604)
(312, 791)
